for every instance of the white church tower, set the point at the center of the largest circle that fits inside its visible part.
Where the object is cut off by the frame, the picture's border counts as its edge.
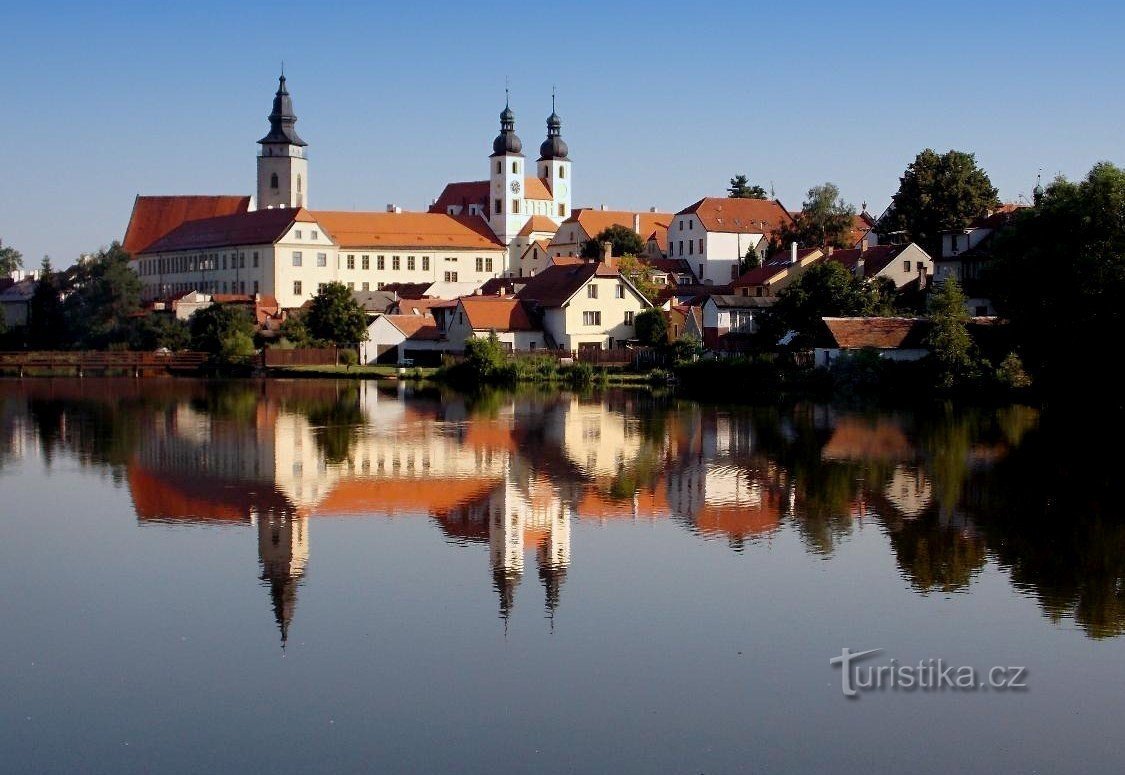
(506, 208)
(283, 167)
(554, 166)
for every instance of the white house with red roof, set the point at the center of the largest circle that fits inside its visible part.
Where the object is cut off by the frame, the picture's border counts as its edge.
(714, 234)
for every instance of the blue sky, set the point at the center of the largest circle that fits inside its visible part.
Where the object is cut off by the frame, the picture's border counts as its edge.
(661, 102)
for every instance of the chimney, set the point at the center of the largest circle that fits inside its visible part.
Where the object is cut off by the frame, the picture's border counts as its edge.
(831, 249)
(637, 222)
(607, 253)
(863, 246)
(393, 208)
(502, 292)
(922, 278)
(603, 208)
(792, 252)
(652, 209)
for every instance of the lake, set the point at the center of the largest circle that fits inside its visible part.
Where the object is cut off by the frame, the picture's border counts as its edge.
(334, 576)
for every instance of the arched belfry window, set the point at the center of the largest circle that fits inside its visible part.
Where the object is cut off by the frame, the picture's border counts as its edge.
(562, 172)
(273, 180)
(298, 184)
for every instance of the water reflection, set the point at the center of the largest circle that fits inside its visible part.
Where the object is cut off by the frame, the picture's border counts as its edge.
(952, 490)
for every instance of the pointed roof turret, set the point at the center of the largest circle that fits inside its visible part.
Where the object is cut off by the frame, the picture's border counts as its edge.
(507, 142)
(554, 147)
(282, 118)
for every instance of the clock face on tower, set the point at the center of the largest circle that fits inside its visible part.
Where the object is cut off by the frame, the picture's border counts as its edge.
(515, 186)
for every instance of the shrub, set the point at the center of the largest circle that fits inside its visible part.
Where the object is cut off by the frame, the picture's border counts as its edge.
(659, 377)
(1011, 373)
(579, 373)
(348, 358)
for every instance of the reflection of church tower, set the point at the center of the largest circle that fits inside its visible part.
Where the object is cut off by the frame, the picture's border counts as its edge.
(505, 548)
(283, 550)
(554, 557)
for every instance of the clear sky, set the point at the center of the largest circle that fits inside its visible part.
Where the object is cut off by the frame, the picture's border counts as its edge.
(661, 102)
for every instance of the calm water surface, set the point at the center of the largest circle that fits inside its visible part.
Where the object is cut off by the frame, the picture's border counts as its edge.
(315, 576)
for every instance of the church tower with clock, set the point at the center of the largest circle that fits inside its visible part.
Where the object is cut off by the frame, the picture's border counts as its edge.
(283, 165)
(507, 211)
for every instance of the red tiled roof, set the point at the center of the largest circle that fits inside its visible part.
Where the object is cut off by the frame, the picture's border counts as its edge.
(594, 221)
(567, 261)
(155, 216)
(415, 327)
(420, 306)
(880, 333)
(406, 230)
(670, 265)
(556, 284)
(536, 188)
(471, 192)
(875, 259)
(659, 235)
(500, 313)
(538, 223)
(747, 216)
(260, 227)
(775, 266)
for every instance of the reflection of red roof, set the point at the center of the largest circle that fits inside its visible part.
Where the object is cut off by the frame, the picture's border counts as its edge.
(740, 521)
(855, 438)
(155, 216)
(190, 498)
(598, 505)
(398, 496)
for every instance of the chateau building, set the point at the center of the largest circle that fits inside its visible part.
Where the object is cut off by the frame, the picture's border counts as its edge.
(279, 246)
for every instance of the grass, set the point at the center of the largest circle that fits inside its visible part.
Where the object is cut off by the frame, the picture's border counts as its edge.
(358, 372)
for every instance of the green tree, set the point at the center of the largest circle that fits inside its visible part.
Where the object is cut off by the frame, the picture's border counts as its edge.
(1060, 275)
(626, 242)
(740, 188)
(46, 323)
(826, 289)
(104, 291)
(485, 357)
(938, 193)
(825, 220)
(295, 331)
(749, 261)
(157, 331)
(10, 259)
(3, 323)
(638, 273)
(949, 338)
(335, 316)
(651, 327)
(225, 331)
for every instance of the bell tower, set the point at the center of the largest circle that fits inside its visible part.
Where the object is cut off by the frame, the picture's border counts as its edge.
(506, 208)
(554, 166)
(283, 165)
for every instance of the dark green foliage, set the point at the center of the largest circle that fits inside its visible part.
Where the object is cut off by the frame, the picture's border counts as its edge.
(626, 242)
(46, 323)
(825, 220)
(740, 188)
(295, 332)
(10, 259)
(826, 289)
(651, 327)
(949, 339)
(104, 291)
(749, 261)
(578, 373)
(686, 349)
(485, 358)
(1060, 273)
(156, 331)
(334, 316)
(938, 193)
(223, 330)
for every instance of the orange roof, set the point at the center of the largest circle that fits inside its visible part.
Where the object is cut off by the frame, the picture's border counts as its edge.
(164, 496)
(406, 230)
(425, 495)
(415, 327)
(745, 216)
(258, 227)
(421, 306)
(648, 503)
(739, 521)
(538, 223)
(567, 261)
(880, 333)
(855, 438)
(155, 216)
(500, 313)
(535, 188)
(594, 222)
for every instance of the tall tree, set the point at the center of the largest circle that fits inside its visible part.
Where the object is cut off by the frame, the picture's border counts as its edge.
(46, 323)
(626, 242)
(939, 193)
(335, 316)
(1060, 273)
(639, 274)
(10, 259)
(949, 338)
(740, 188)
(825, 220)
(104, 292)
(652, 327)
(226, 331)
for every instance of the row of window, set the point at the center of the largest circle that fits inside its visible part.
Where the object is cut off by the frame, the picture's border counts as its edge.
(592, 291)
(483, 264)
(594, 318)
(210, 286)
(690, 247)
(200, 262)
(313, 234)
(298, 286)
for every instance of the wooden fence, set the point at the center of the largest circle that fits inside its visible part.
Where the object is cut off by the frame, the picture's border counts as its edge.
(305, 356)
(86, 362)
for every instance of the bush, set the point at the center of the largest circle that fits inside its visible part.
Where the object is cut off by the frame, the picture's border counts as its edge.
(659, 377)
(579, 373)
(417, 374)
(540, 367)
(1011, 373)
(348, 358)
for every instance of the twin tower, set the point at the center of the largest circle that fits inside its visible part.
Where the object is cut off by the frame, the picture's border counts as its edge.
(514, 196)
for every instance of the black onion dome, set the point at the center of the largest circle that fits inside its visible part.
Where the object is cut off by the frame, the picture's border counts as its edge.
(554, 147)
(282, 119)
(507, 142)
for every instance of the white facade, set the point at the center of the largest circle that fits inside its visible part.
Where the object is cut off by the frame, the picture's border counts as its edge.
(283, 176)
(713, 256)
